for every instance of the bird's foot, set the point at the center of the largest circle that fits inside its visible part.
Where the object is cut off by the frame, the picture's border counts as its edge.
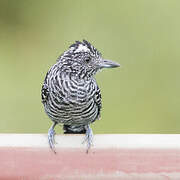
(51, 140)
(88, 138)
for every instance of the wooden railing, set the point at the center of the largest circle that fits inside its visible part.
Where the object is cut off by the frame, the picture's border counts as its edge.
(113, 156)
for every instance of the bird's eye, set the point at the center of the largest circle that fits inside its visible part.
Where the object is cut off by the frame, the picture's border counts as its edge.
(88, 59)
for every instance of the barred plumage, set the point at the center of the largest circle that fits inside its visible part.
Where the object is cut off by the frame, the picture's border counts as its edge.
(70, 93)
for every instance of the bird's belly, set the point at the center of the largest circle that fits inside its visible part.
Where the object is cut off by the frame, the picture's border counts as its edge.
(85, 114)
(72, 111)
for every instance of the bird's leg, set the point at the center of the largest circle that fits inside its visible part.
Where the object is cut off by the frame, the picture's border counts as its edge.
(88, 137)
(51, 134)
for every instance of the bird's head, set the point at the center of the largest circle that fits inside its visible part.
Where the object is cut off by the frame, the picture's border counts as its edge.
(85, 60)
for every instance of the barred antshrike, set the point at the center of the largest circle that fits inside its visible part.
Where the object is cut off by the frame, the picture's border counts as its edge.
(70, 93)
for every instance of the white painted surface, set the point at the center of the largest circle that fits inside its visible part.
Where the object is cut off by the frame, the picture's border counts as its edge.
(130, 141)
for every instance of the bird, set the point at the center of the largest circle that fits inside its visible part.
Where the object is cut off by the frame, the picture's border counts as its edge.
(70, 93)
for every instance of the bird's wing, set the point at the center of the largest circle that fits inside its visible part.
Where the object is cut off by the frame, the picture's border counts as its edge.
(97, 100)
(44, 90)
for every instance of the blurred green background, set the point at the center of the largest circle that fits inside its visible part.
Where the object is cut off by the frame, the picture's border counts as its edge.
(143, 96)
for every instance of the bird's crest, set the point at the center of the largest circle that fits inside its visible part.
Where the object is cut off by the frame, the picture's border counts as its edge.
(84, 46)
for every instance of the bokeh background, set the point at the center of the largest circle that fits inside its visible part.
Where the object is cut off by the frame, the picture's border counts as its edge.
(143, 96)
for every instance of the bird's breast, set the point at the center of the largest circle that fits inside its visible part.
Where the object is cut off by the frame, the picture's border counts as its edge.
(71, 100)
(70, 91)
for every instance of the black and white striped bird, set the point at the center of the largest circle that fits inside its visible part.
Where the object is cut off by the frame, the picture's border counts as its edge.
(70, 93)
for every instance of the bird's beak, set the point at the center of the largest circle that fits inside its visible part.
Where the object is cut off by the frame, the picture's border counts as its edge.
(104, 63)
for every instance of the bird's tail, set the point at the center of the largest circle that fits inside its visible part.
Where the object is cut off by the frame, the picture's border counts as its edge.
(70, 129)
